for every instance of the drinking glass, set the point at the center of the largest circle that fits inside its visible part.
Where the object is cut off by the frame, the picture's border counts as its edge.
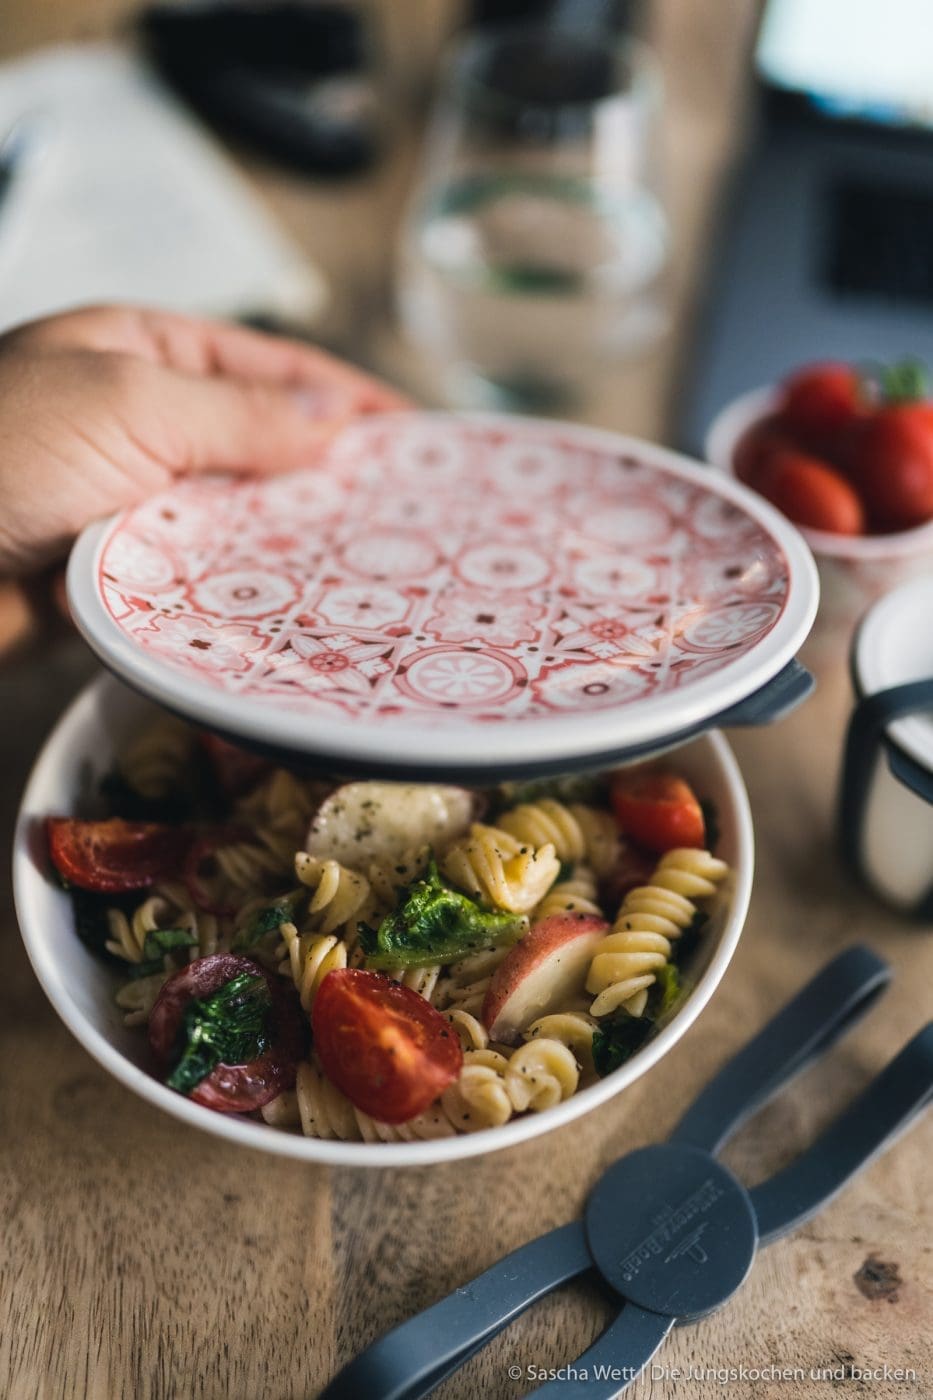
(533, 256)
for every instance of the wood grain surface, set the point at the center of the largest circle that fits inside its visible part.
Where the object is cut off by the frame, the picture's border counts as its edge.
(143, 1259)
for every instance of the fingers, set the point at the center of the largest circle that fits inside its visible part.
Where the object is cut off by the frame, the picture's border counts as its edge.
(206, 424)
(116, 329)
(218, 347)
(202, 347)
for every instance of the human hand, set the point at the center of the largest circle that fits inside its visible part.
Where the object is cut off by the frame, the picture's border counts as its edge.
(101, 408)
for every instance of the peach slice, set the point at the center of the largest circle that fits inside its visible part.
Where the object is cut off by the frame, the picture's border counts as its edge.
(544, 972)
(375, 821)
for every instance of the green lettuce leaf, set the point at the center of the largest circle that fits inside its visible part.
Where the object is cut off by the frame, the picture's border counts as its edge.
(433, 923)
(228, 1027)
(281, 910)
(160, 941)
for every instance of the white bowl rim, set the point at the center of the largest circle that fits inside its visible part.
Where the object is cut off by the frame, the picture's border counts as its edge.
(248, 1133)
(721, 438)
(571, 739)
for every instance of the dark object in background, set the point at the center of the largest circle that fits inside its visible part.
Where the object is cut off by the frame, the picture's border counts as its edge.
(289, 80)
(616, 14)
(540, 85)
(826, 249)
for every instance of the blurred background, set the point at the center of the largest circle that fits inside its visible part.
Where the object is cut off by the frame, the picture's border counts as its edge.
(331, 169)
(626, 211)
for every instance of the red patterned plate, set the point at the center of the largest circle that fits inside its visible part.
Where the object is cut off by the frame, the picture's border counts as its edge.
(451, 590)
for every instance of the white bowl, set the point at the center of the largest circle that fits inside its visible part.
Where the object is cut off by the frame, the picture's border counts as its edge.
(855, 570)
(82, 748)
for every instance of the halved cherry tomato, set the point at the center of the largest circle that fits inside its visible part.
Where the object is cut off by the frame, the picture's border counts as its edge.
(821, 403)
(199, 854)
(236, 769)
(114, 855)
(231, 1088)
(892, 466)
(657, 810)
(812, 493)
(382, 1044)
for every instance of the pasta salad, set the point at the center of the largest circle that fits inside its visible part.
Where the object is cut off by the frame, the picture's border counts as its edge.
(385, 961)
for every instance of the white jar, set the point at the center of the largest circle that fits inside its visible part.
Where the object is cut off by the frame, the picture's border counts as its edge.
(886, 808)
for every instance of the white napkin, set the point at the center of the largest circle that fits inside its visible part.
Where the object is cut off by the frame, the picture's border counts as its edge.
(121, 195)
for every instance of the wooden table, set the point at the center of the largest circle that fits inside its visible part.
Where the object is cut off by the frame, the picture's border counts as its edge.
(141, 1259)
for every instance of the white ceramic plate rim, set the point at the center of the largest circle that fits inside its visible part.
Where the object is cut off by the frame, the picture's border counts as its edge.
(721, 438)
(432, 744)
(914, 598)
(29, 878)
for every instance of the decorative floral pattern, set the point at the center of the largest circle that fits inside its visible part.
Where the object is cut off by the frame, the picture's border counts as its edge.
(498, 571)
(451, 676)
(477, 615)
(245, 593)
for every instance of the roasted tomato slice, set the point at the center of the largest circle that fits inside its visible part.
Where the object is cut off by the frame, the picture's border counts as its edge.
(199, 868)
(114, 855)
(236, 770)
(382, 1044)
(657, 810)
(231, 1088)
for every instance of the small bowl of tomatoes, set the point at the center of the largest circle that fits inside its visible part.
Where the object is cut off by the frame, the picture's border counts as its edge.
(847, 454)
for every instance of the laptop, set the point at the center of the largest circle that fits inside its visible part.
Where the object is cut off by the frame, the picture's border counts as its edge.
(825, 250)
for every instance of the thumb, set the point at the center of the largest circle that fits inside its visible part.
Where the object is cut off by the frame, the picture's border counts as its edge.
(238, 425)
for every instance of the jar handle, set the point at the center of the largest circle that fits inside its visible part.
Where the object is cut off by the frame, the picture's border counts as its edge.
(865, 736)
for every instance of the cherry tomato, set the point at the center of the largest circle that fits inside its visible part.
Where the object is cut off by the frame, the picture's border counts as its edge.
(196, 872)
(812, 493)
(756, 449)
(820, 404)
(657, 810)
(231, 1088)
(892, 466)
(236, 770)
(382, 1044)
(114, 855)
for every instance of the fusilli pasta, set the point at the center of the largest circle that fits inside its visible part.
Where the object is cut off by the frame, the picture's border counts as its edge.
(492, 865)
(265, 862)
(167, 909)
(128, 935)
(546, 822)
(626, 962)
(283, 803)
(575, 1029)
(466, 982)
(157, 763)
(137, 998)
(540, 1074)
(600, 837)
(322, 1111)
(575, 895)
(479, 1097)
(338, 895)
(308, 959)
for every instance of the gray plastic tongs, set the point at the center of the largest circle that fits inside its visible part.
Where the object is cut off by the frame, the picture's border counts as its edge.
(669, 1228)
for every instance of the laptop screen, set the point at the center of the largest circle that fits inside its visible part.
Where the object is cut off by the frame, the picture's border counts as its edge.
(865, 59)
